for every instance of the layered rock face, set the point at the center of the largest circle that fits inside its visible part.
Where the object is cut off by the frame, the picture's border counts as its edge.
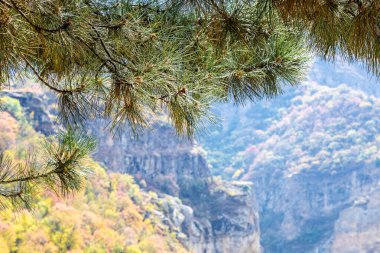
(38, 108)
(361, 233)
(222, 220)
(212, 216)
(320, 212)
(156, 157)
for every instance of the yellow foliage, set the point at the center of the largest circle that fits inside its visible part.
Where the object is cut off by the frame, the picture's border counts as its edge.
(107, 216)
(3, 246)
(109, 212)
(9, 130)
(133, 249)
(238, 173)
(147, 246)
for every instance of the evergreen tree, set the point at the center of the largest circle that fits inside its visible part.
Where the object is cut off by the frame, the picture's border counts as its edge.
(60, 166)
(130, 60)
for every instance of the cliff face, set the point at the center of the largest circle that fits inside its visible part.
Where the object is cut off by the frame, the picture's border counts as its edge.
(156, 157)
(38, 108)
(222, 220)
(320, 212)
(226, 221)
(212, 216)
(317, 174)
(207, 215)
(363, 229)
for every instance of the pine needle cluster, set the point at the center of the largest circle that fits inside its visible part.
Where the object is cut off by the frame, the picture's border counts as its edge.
(128, 60)
(60, 166)
(350, 28)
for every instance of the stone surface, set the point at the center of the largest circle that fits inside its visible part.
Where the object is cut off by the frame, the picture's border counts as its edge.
(213, 216)
(38, 107)
(221, 221)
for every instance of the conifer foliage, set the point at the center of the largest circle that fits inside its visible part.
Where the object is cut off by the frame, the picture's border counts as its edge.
(350, 28)
(60, 168)
(129, 59)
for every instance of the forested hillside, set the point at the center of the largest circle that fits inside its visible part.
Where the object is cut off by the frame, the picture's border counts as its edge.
(248, 125)
(324, 129)
(111, 213)
(313, 155)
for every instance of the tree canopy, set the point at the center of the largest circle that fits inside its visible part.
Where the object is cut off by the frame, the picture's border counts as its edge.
(130, 60)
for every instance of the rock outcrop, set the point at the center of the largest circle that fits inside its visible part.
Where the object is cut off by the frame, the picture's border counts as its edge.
(220, 220)
(38, 108)
(320, 211)
(157, 158)
(212, 216)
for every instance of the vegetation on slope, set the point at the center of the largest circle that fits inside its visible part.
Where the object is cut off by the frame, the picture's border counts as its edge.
(313, 155)
(325, 129)
(111, 213)
(315, 128)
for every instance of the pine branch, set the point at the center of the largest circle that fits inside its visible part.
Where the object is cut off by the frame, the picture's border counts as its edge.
(47, 84)
(38, 28)
(131, 55)
(62, 169)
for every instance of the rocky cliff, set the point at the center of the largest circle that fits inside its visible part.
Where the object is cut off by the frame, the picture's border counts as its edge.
(221, 219)
(157, 158)
(39, 107)
(212, 216)
(320, 211)
(319, 174)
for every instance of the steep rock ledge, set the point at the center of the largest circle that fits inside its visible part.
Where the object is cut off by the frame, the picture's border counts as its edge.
(156, 158)
(210, 216)
(225, 222)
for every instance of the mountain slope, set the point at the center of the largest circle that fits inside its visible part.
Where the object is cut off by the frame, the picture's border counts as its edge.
(313, 156)
(112, 213)
(321, 160)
